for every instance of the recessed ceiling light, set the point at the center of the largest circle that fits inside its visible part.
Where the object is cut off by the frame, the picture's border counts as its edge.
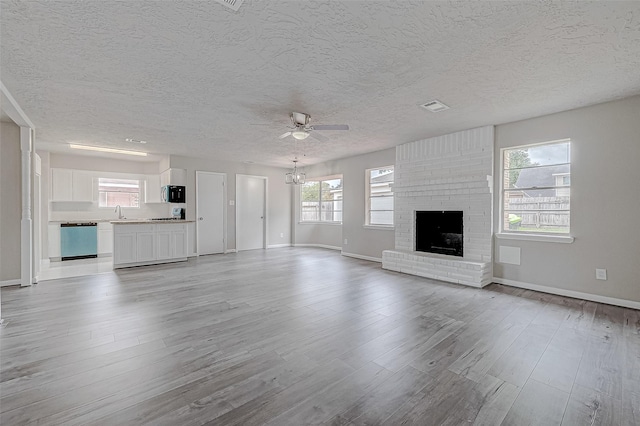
(434, 106)
(112, 150)
(134, 140)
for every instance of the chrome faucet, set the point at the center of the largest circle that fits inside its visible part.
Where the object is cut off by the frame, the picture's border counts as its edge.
(119, 211)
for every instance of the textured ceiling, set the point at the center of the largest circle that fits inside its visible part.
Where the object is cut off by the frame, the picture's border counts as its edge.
(195, 78)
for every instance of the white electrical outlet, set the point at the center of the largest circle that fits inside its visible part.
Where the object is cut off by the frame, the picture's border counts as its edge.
(282, 235)
(232, 203)
(601, 274)
(346, 242)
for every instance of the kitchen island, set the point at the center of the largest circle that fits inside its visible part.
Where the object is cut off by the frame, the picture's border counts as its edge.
(138, 242)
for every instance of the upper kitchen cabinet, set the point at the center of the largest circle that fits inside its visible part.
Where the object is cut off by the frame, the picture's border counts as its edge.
(71, 185)
(152, 189)
(173, 177)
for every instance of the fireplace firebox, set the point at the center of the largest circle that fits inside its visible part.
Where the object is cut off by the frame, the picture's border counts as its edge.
(439, 232)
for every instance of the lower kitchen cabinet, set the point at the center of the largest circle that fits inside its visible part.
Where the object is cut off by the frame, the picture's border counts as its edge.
(148, 244)
(105, 239)
(124, 248)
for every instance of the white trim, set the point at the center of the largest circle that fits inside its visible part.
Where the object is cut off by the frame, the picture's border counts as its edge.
(27, 264)
(359, 256)
(318, 245)
(569, 293)
(6, 283)
(278, 245)
(380, 227)
(13, 110)
(229, 251)
(543, 238)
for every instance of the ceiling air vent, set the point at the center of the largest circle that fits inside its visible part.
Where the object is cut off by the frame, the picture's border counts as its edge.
(231, 4)
(434, 106)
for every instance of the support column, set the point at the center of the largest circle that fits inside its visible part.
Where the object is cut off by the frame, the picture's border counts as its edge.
(26, 224)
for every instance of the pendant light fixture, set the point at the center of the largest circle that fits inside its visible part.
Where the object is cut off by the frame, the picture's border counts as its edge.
(295, 177)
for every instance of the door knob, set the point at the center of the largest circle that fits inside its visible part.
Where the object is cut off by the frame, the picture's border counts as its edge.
(200, 218)
(261, 217)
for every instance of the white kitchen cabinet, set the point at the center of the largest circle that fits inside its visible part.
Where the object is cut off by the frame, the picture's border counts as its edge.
(61, 185)
(105, 239)
(173, 177)
(71, 185)
(164, 248)
(179, 243)
(124, 248)
(82, 186)
(152, 189)
(148, 244)
(54, 241)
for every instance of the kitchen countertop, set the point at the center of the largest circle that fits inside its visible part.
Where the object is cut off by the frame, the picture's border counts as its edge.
(148, 221)
(121, 221)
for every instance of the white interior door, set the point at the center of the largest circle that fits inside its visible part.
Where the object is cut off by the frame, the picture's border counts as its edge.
(210, 209)
(250, 212)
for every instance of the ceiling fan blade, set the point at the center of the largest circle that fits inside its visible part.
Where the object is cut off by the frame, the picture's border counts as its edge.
(284, 135)
(331, 127)
(318, 136)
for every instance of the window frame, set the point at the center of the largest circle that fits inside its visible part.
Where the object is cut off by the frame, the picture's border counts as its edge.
(121, 179)
(367, 202)
(320, 180)
(505, 232)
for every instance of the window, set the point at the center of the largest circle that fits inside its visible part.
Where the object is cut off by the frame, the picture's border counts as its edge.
(379, 203)
(321, 200)
(118, 192)
(536, 181)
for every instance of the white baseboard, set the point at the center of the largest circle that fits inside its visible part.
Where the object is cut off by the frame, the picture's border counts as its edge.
(318, 245)
(570, 293)
(6, 283)
(230, 251)
(278, 245)
(359, 256)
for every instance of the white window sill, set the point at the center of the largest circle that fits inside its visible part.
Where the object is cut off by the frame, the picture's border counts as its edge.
(564, 239)
(321, 223)
(380, 227)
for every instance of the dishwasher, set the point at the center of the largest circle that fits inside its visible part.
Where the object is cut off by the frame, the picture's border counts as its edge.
(78, 240)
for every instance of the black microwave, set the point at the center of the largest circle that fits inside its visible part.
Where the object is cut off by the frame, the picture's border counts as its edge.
(173, 194)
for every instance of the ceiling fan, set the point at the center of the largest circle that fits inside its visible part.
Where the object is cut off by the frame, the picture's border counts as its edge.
(302, 129)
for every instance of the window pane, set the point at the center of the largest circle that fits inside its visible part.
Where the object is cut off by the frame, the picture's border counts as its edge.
(122, 192)
(382, 203)
(381, 218)
(321, 201)
(537, 192)
(380, 196)
(538, 155)
(310, 211)
(543, 176)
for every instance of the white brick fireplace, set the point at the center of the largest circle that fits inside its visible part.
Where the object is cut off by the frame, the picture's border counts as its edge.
(451, 172)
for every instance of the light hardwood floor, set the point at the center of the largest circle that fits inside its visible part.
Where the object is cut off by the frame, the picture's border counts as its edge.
(299, 336)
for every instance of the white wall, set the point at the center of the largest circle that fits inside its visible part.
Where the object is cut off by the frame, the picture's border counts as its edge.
(278, 195)
(605, 201)
(10, 194)
(365, 242)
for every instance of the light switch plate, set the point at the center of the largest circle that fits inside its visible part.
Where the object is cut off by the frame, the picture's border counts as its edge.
(601, 274)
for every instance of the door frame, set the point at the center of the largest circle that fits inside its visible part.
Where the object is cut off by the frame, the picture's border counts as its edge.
(265, 223)
(224, 210)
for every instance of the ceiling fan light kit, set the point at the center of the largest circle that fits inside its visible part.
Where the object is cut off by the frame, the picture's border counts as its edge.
(300, 134)
(302, 129)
